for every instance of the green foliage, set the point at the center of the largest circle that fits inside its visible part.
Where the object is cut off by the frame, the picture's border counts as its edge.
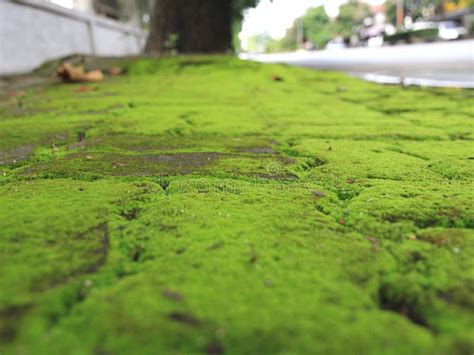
(289, 41)
(320, 29)
(411, 36)
(199, 206)
(238, 6)
(351, 17)
(317, 26)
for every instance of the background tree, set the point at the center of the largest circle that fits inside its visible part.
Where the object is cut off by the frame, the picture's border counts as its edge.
(316, 27)
(320, 29)
(238, 7)
(289, 42)
(194, 26)
(416, 9)
(351, 18)
(316, 24)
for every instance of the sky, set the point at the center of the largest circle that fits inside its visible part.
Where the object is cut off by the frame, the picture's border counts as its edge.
(276, 17)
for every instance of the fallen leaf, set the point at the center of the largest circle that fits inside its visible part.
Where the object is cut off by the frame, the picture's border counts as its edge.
(13, 94)
(85, 88)
(115, 71)
(71, 73)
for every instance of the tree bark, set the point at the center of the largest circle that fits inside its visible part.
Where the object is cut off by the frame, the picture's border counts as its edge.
(190, 26)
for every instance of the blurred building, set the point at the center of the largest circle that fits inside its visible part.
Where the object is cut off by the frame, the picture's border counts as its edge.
(34, 31)
(130, 12)
(460, 12)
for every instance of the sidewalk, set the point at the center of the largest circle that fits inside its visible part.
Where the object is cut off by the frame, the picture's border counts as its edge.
(208, 205)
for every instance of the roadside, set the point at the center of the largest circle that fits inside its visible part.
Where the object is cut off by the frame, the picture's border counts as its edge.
(447, 64)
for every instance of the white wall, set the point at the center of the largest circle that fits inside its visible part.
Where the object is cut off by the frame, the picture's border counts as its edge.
(34, 31)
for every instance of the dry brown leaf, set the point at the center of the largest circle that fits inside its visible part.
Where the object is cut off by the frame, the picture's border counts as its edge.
(84, 88)
(15, 94)
(115, 71)
(71, 73)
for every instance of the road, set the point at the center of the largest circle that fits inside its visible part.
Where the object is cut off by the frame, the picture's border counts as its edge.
(445, 64)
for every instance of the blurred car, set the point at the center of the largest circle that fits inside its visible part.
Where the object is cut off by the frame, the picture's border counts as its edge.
(451, 30)
(309, 46)
(375, 42)
(336, 45)
(423, 25)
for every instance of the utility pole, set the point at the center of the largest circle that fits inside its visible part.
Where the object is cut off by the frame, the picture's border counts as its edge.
(400, 13)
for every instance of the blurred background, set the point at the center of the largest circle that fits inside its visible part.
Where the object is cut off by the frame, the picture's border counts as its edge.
(311, 24)
(427, 42)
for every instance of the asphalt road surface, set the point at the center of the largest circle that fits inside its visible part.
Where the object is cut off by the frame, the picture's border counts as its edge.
(445, 64)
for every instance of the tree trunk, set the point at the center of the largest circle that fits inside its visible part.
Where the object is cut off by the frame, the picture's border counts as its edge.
(190, 26)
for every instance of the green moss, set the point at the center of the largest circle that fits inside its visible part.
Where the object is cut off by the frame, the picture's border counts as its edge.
(196, 205)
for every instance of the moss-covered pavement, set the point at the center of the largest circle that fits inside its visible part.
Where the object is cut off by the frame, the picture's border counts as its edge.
(208, 205)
